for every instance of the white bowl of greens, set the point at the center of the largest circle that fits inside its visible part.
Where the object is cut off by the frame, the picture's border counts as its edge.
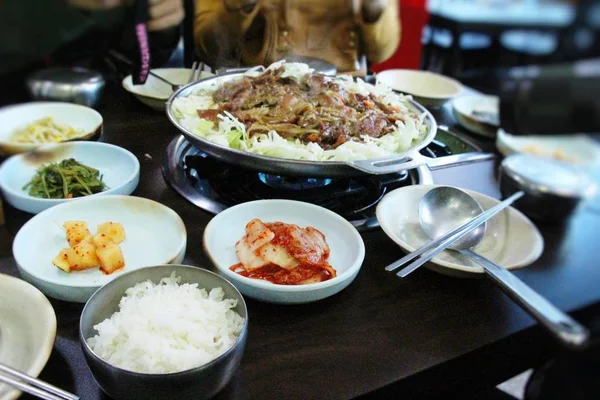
(57, 173)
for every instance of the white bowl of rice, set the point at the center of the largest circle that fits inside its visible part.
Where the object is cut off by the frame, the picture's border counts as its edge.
(164, 331)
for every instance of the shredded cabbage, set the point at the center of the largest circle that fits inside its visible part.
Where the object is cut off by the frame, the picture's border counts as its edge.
(232, 133)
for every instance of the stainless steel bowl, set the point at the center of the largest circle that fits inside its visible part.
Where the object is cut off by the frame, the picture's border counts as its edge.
(74, 85)
(197, 383)
(553, 189)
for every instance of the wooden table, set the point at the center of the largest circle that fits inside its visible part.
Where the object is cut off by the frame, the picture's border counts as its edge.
(380, 336)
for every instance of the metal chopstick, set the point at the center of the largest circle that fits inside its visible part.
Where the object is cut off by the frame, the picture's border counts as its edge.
(462, 230)
(32, 385)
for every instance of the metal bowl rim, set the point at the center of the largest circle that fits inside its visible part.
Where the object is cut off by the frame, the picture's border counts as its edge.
(240, 341)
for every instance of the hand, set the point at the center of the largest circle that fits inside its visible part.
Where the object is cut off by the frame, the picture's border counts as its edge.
(372, 9)
(164, 14)
(98, 5)
(237, 5)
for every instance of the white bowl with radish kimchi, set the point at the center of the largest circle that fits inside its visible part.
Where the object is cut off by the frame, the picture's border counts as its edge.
(284, 251)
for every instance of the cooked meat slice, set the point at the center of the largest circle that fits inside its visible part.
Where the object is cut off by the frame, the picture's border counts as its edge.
(230, 89)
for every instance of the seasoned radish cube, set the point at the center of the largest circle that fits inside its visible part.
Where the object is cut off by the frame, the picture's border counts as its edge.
(101, 239)
(61, 261)
(76, 231)
(111, 257)
(113, 230)
(89, 239)
(83, 256)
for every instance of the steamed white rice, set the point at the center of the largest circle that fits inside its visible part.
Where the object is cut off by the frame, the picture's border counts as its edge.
(230, 132)
(167, 327)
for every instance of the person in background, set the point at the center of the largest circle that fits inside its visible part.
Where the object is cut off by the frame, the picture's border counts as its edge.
(39, 33)
(345, 33)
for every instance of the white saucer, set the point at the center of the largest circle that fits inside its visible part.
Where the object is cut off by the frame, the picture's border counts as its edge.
(511, 239)
(18, 116)
(27, 330)
(464, 108)
(575, 149)
(120, 171)
(155, 235)
(346, 245)
(154, 93)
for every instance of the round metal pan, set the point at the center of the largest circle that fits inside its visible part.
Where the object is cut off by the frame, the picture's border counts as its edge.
(282, 166)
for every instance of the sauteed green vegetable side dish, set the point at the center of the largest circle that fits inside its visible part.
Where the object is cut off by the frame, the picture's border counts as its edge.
(65, 180)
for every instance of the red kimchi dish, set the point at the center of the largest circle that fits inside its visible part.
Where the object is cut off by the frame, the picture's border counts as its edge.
(284, 254)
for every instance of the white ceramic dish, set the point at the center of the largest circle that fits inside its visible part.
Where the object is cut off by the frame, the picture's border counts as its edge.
(574, 149)
(427, 88)
(511, 239)
(120, 170)
(21, 115)
(155, 235)
(154, 93)
(27, 329)
(346, 245)
(464, 106)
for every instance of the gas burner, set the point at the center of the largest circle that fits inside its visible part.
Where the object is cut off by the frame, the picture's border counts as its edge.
(283, 182)
(214, 186)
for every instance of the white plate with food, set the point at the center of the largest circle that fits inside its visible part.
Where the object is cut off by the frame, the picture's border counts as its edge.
(574, 149)
(155, 93)
(478, 113)
(58, 173)
(284, 251)
(27, 126)
(428, 88)
(27, 330)
(511, 239)
(81, 245)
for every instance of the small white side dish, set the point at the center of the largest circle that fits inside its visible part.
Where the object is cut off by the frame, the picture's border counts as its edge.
(464, 107)
(511, 239)
(427, 88)
(27, 330)
(20, 115)
(346, 245)
(155, 235)
(574, 149)
(154, 93)
(120, 170)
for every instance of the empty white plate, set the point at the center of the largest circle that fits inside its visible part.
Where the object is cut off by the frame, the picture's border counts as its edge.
(511, 239)
(119, 168)
(88, 120)
(155, 235)
(346, 245)
(428, 88)
(27, 330)
(465, 110)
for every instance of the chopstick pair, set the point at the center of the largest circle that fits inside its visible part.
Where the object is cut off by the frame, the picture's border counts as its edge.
(433, 248)
(32, 385)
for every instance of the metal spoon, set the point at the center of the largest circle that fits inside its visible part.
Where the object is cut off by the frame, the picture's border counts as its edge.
(443, 209)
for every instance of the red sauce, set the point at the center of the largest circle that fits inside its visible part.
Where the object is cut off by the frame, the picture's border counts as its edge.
(281, 276)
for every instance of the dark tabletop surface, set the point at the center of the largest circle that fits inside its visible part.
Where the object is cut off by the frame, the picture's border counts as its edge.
(380, 336)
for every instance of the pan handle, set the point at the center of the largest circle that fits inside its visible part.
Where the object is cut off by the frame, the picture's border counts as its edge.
(391, 165)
